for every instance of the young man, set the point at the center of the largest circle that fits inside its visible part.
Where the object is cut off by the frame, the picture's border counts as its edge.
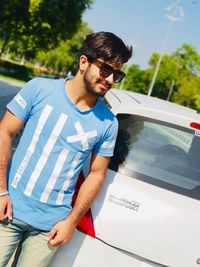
(65, 122)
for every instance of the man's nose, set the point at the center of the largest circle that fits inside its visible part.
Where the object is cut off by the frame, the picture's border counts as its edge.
(110, 78)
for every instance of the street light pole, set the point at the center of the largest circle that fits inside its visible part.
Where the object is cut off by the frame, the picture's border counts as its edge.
(172, 19)
(171, 90)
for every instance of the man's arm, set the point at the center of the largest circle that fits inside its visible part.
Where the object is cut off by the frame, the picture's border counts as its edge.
(9, 127)
(62, 232)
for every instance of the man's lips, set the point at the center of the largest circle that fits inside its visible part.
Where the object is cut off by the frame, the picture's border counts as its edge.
(105, 86)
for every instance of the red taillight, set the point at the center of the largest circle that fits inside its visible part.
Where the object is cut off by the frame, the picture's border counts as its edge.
(86, 223)
(195, 125)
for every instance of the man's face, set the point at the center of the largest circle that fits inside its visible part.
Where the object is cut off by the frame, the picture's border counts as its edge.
(95, 83)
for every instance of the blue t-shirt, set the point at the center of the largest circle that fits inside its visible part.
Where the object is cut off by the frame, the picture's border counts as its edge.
(56, 141)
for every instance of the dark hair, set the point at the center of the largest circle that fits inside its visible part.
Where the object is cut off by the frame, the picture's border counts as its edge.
(105, 45)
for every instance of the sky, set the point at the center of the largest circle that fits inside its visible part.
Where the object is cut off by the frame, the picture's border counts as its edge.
(144, 25)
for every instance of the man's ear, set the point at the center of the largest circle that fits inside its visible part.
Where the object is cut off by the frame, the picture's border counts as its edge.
(83, 63)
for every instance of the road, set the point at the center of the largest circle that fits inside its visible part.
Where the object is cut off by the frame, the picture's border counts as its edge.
(7, 92)
(7, 89)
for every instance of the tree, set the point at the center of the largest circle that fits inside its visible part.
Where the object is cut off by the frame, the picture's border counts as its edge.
(188, 93)
(13, 18)
(178, 73)
(188, 84)
(135, 80)
(167, 74)
(181, 70)
(188, 60)
(40, 24)
(63, 57)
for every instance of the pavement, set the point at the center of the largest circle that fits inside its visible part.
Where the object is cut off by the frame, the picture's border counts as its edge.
(7, 88)
(7, 92)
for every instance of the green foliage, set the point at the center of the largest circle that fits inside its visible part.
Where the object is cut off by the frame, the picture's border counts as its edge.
(14, 70)
(168, 72)
(39, 24)
(178, 73)
(62, 59)
(188, 60)
(182, 68)
(188, 93)
(13, 18)
(135, 80)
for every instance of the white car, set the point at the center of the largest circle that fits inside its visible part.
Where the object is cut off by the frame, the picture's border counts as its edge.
(148, 211)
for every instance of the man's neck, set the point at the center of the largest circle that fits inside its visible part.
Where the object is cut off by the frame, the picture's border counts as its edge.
(78, 95)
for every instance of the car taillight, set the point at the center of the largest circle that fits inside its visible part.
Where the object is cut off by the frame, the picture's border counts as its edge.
(86, 223)
(195, 125)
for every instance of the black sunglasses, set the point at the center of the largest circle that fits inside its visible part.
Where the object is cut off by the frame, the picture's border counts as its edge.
(106, 70)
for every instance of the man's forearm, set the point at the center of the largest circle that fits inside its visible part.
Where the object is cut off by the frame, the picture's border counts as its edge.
(5, 152)
(87, 194)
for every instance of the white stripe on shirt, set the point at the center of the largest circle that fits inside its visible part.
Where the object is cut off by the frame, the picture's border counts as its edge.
(54, 176)
(40, 125)
(45, 154)
(69, 176)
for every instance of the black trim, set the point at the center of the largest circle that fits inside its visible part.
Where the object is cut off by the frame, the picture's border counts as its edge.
(193, 193)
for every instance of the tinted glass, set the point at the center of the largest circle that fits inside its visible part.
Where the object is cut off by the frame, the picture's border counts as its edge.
(161, 154)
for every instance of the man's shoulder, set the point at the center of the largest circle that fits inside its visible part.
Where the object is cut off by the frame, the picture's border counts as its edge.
(43, 86)
(45, 81)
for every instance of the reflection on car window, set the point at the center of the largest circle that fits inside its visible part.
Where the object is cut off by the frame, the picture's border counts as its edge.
(160, 151)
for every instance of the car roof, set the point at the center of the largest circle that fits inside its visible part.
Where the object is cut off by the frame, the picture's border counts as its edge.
(122, 101)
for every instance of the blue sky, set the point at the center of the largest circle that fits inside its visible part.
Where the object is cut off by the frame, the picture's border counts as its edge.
(143, 23)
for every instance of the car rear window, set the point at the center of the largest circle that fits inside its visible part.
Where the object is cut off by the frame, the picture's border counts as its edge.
(158, 153)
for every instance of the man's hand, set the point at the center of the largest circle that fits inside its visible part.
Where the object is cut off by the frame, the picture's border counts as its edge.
(5, 208)
(61, 233)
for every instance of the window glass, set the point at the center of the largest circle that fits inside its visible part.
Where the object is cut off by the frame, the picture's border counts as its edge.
(150, 149)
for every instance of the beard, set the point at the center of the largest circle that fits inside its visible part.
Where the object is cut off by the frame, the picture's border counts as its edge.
(90, 84)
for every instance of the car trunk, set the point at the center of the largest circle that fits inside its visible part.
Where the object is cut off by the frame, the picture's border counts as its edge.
(148, 221)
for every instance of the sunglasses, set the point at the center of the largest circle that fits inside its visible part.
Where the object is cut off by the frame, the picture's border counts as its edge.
(106, 70)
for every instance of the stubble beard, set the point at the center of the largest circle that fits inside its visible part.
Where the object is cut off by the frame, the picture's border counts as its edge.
(89, 86)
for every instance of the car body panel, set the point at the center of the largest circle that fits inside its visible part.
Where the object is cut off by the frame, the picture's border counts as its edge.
(147, 106)
(85, 251)
(148, 221)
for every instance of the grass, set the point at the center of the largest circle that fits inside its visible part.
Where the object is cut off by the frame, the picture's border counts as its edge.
(13, 81)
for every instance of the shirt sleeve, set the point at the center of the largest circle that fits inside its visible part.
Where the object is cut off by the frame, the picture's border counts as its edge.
(105, 146)
(21, 104)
